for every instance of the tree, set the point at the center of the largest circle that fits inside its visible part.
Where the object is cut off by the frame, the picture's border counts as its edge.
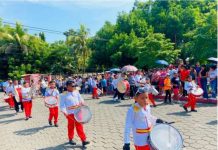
(77, 40)
(156, 46)
(202, 42)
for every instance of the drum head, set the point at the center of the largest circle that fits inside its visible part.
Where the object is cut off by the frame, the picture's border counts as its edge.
(83, 114)
(154, 91)
(197, 92)
(166, 137)
(51, 100)
(121, 87)
(99, 92)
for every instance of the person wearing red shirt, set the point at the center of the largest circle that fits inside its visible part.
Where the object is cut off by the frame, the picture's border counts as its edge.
(184, 73)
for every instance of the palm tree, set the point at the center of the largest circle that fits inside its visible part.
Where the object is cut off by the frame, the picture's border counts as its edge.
(78, 43)
(13, 40)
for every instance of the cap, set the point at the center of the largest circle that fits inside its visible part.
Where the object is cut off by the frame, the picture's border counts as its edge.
(71, 82)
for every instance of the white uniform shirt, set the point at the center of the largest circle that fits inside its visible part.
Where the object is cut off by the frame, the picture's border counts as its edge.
(190, 85)
(114, 83)
(17, 86)
(10, 89)
(138, 119)
(25, 94)
(69, 101)
(94, 83)
(51, 92)
(137, 79)
(43, 84)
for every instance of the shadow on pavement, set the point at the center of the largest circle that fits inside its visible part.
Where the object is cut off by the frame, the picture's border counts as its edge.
(109, 102)
(10, 121)
(179, 113)
(64, 146)
(214, 122)
(3, 108)
(6, 116)
(125, 105)
(30, 131)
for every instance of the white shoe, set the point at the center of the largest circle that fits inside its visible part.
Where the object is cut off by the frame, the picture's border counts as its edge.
(114, 99)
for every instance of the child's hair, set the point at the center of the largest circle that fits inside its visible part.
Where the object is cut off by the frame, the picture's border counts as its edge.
(52, 81)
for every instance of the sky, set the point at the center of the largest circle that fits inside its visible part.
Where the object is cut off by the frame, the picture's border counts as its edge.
(61, 15)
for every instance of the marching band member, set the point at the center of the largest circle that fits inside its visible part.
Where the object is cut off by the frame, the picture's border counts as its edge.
(69, 101)
(10, 92)
(94, 89)
(26, 100)
(189, 86)
(150, 95)
(53, 111)
(18, 87)
(140, 120)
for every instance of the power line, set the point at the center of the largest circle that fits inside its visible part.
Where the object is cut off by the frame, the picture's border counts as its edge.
(36, 28)
(39, 29)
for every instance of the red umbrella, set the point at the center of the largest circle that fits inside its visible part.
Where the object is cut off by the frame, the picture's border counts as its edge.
(129, 68)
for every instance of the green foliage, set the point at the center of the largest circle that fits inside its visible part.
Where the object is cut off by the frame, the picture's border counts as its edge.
(158, 30)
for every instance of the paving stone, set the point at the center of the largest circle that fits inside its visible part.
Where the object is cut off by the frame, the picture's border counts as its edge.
(105, 131)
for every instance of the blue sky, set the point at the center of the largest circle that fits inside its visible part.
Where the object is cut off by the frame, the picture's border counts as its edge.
(62, 15)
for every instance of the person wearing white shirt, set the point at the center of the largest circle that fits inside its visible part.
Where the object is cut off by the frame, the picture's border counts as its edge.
(189, 86)
(9, 90)
(53, 111)
(26, 100)
(140, 121)
(138, 78)
(114, 83)
(213, 80)
(90, 84)
(17, 102)
(43, 87)
(69, 101)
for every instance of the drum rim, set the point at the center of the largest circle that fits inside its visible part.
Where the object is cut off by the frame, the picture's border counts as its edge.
(182, 140)
(77, 110)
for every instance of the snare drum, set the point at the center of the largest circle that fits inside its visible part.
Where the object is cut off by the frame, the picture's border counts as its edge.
(99, 92)
(51, 101)
(83, 114)
(197, 92)
(165, 137)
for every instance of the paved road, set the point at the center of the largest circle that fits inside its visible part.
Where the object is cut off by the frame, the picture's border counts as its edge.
(105, 131)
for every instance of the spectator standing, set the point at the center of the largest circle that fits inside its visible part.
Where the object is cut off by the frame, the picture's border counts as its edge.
(203, 79)
(213, 80)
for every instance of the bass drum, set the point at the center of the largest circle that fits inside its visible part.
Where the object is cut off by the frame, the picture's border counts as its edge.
(165, 137)
(123, 86)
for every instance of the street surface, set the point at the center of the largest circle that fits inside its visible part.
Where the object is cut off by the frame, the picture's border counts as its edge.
(105, 131)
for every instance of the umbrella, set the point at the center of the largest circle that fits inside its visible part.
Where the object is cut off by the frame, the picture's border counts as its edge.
(162, 62)
(213, 59)
(129, 68)
(115, 70)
